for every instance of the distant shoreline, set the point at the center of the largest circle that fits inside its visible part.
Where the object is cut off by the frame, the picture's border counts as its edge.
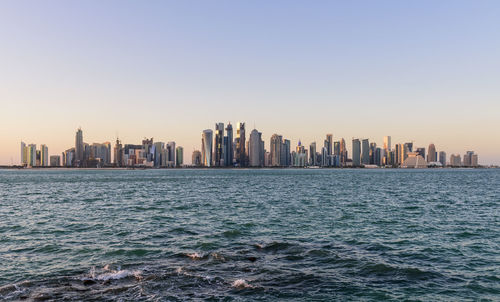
(236, 168)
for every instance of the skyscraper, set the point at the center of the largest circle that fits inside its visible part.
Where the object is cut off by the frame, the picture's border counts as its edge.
(356, 152)
(343, 152)
(286, 158)
(206, 147)
(171, 153)
(254, 156)
(240, 144)
(312, 154)
(179, 156)
(219, 145)
(275, 149)
(44, 156)
(365, 155)
(442, 158)
(24, 154)
(431, 156)
(421, 152)
(228, 146)
(387, 143)
(196, 158)
(31, 152)
(79, 148)
(329, 144)
(118, 156)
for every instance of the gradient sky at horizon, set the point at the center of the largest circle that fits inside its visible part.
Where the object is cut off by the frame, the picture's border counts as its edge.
(421, 71)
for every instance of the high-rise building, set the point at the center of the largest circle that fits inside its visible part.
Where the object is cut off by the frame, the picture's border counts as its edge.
(286, 158)
(196, 158)
(470, 159)
(275, 150)
(365, 152)
(387, 143)
(79, 148)
(31, 152)
(24, 154)
(179, 156)
(373, 153)
(240, 144)
(455, 160)
(356, 152)
(171, 154)
(329, 144)
(442, 158)
(55, 161)
(343, 153)
(219, 145)
(312, 154)
(118, 156)
(206, 147)
(228, 146)
(44, 156)
(69, 157)
(431, 156)
(421, 152)
(254, 149)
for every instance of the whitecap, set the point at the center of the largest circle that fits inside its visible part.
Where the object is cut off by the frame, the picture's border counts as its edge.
(241, 283)
(194, 256)
(115, 275)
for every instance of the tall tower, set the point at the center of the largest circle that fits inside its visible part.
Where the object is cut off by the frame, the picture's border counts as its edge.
(356, 152)
(312, 154)
(24, 154)
(218, 144)
(387, 143)
(343, 152)
(275, 148)
(365, 154)
(44, 156)
(329, 144)
(431, 154)
(79, 149)
(228, 147)
(254, 149)
(206, 147)
(240, 143)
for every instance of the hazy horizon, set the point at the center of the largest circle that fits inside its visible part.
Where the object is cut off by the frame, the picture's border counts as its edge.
(426, 72)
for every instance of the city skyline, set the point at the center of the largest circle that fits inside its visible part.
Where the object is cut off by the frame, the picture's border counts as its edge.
(425, 71)
(222, 151)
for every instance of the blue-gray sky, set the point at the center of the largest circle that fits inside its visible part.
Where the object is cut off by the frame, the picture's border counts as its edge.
(422, 71)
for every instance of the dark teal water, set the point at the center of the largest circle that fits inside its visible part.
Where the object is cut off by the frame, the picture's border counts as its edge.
(158, 235)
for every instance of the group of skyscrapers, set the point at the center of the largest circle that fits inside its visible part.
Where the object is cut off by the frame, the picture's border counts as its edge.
(222, 150)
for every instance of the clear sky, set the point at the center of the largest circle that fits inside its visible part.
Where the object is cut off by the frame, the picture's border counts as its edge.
(422, 71)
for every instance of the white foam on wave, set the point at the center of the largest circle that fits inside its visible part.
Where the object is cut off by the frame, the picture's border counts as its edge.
(115, 275)
(194, 256)
(241, 283)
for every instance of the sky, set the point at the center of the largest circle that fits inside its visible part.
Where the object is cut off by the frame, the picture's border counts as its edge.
(419, 71)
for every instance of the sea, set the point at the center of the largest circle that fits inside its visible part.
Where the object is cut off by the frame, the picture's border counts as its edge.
(250, 235)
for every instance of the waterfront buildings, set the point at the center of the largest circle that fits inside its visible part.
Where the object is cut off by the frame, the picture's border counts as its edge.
(219, 145)
(431, 156)
(442, 158)
(222, 150)
(255, 151)
(206, 148)
(196, 158)
(365, 152)
(179, 156)
(356, 152)
(55, 161)
(240, 144)
(79, 148)
(228, 146)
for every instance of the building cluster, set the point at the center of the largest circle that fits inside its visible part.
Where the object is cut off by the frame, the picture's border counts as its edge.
(220, 148)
